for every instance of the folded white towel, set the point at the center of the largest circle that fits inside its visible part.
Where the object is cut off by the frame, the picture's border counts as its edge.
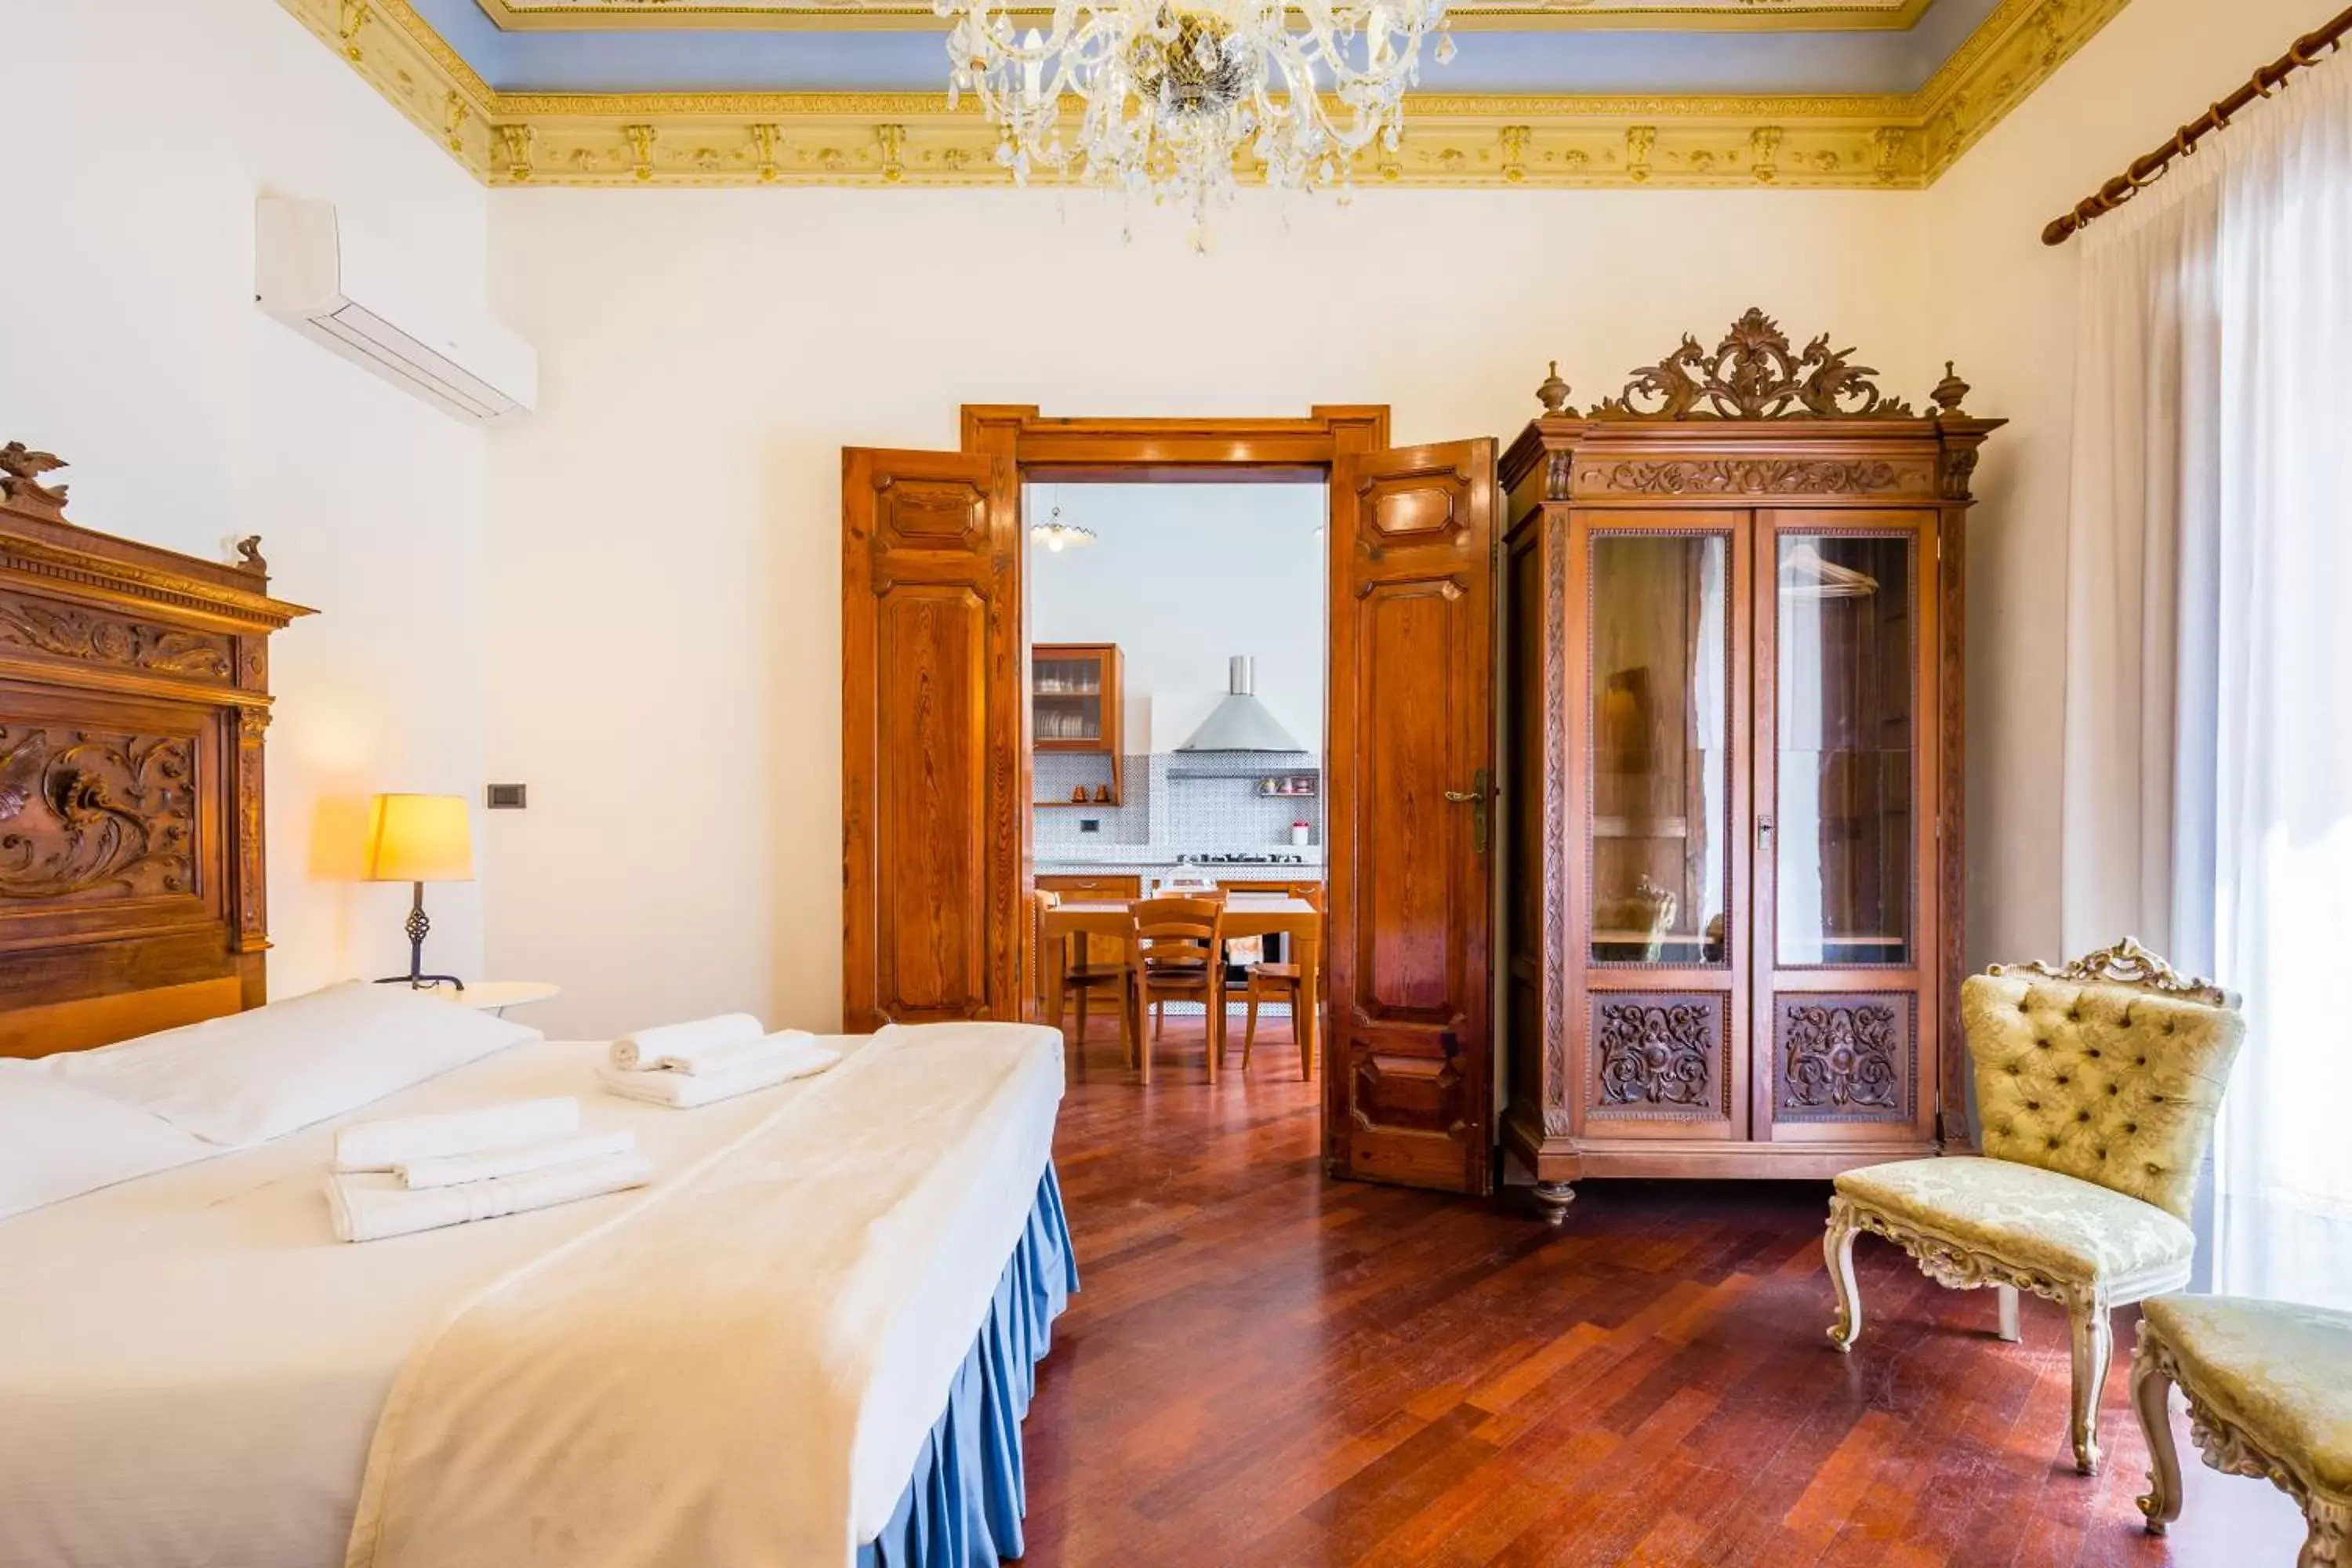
(448, 1170)
(684, 1091)
(728, 1057)
(370, 1208)
(382, 1145)
(678, 1046)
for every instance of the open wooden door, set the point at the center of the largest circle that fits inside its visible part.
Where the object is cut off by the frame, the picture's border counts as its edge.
(1411, 783)
(933, 787)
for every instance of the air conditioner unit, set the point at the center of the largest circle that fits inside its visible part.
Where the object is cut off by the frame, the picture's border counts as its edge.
(330, 282)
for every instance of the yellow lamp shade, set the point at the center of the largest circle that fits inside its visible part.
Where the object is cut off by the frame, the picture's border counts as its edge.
(420, 838)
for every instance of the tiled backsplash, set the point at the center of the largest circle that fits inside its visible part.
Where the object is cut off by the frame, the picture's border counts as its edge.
(1058, 772)
(1195, 802)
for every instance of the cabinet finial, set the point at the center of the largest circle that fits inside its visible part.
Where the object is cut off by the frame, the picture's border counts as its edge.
(1553, 394)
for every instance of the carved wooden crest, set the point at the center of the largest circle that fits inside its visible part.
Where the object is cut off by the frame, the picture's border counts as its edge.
(1753, 373)
(2128, 964)
(20, 481)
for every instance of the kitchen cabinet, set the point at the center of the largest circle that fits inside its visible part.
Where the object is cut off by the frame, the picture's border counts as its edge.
(1074, 707)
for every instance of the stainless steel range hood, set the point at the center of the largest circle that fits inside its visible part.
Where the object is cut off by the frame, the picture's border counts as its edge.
(1241, 722)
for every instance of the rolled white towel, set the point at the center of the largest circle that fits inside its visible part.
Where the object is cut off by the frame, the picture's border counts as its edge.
(368, 1207)
(449, 1170)
(678, 1046)
(684, 1091)
(382, 1145)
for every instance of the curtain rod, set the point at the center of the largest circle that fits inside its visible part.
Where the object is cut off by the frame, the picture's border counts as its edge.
(2305, 54)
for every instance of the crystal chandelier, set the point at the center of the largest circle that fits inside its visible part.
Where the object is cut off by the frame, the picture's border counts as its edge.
(1170, 94)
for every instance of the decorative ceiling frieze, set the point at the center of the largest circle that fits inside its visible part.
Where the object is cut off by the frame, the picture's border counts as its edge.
(1529, 15)
(1886, 142)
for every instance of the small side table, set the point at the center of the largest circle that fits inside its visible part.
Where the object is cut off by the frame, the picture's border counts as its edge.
(497, 995)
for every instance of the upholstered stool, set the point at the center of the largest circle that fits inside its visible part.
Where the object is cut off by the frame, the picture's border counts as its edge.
(2269, 1393)
(2096, 1085)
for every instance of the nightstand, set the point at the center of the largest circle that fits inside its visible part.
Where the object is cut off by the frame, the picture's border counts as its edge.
(497, 995)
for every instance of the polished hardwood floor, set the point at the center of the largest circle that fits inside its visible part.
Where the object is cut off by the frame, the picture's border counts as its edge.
(1267, 1368)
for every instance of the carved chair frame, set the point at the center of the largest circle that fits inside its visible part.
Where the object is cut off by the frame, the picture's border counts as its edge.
(2228, 1446)
(1959, 1265)
(1968, 1265)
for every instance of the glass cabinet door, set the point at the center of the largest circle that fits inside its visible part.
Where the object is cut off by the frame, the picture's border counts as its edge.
(1659, 739)
(1658, 749)
(1847, 755)
(1844, 721)
(1065, 699)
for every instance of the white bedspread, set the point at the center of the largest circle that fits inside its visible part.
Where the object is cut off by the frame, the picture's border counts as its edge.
(192, 1367)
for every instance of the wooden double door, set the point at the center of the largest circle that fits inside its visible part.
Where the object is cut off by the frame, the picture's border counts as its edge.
(935, 774)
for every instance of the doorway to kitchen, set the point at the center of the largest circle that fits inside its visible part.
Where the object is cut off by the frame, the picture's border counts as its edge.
(1177, 651)
(940, 792)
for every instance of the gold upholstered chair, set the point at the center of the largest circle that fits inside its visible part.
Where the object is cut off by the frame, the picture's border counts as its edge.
(2269, 1385)
(2097, 1087)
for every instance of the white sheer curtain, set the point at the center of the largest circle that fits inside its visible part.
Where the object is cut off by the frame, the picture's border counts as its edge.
(2209, 700)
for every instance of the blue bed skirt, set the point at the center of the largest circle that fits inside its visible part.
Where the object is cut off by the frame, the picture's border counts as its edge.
(962, 1508)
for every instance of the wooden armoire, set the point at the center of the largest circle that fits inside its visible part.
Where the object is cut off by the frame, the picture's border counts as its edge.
(1733, 687)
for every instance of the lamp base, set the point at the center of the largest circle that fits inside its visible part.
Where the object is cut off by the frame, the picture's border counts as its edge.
(416, 927)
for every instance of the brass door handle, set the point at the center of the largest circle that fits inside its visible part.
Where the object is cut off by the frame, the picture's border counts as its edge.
(1475, 798)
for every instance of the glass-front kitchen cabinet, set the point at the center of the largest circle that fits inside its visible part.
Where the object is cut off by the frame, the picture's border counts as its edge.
(1074, 707)
(1732, 662)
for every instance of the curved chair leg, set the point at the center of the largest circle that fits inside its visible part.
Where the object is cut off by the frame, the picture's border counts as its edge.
(1837, 1250)
(2007, 1294)
(2329, 1543)
(2152, 1400)
(2095, 1344)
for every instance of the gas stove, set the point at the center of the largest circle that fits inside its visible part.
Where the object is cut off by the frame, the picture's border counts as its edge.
(1252, 857)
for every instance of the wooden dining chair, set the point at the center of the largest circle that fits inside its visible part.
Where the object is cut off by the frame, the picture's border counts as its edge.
(1180, 953)
(1281, 982)
(1216, 895)
(1084, 980)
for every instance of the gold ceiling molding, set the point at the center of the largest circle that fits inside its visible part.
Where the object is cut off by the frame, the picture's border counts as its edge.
(1517, 16)
(1895, 141)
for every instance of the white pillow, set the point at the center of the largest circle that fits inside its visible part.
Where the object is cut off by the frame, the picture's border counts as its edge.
(58, 1141)
(251, 1077)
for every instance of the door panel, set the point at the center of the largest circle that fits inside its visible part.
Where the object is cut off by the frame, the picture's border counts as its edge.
(1658, 942)
(1846, 762)
(1411, 741)
(930, 746)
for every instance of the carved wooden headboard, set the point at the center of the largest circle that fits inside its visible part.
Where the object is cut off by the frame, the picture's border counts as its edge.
(134, 688)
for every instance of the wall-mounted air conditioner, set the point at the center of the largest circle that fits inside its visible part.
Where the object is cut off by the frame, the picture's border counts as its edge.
(330, 282)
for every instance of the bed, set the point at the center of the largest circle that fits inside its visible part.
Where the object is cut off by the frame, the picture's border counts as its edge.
(810, 1340)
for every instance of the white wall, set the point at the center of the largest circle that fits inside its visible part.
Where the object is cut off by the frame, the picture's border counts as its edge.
(1182, 577)
(2004, 305)
(665, 534)
(131, 346)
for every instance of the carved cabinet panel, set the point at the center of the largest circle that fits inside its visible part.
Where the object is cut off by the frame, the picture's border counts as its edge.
(1844, 1057)
(1659, 1056)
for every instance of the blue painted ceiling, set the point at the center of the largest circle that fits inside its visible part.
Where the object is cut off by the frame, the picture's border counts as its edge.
(706, 60)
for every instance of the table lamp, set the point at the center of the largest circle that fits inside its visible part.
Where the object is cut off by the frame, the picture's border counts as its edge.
(417, 839)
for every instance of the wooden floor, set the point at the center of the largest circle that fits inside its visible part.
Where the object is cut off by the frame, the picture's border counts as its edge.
(1267, 1368)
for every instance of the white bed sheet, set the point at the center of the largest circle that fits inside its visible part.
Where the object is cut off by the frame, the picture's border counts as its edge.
(190, 1365)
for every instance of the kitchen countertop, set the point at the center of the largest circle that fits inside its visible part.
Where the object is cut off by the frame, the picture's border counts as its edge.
(1150, 857)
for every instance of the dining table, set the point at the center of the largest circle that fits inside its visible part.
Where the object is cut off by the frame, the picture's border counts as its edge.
(1246, 915)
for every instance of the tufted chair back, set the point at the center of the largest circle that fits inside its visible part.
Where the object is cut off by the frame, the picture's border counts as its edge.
(2109, 1080)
